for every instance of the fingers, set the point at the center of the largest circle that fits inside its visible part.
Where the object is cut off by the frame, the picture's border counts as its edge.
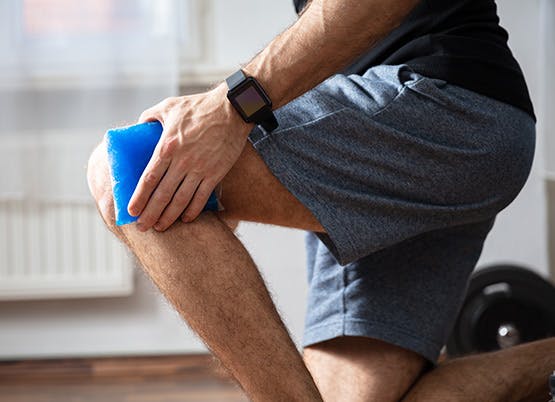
(161, 197)
(154, 171)
(180, 201)
(150, 178)
(199, 201)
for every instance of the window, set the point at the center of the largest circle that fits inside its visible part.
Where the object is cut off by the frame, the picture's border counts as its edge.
(91, 40)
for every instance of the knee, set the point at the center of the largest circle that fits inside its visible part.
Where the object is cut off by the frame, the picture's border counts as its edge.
(100, 186)
(370, 369)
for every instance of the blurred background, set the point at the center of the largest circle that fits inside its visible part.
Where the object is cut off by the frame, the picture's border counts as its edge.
(69, 70)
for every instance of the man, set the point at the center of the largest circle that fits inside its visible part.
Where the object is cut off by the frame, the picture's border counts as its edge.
(396, 165)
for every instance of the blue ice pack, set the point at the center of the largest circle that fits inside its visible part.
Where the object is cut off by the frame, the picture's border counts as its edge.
(129, 151)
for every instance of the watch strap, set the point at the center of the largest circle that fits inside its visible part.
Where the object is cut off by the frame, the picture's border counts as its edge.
(268, 120)
(235, 79)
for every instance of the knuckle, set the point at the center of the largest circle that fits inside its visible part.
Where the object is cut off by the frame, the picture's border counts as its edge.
(168, 103)
(151, 179)
(203, 193)
(182, 165)
(181, 198)
(196, 171)
(168, 147)
(163, 197)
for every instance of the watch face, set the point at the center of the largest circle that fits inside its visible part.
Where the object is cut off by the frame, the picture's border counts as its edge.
(250, 100)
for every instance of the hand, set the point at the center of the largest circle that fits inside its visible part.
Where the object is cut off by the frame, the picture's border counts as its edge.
(202, 139)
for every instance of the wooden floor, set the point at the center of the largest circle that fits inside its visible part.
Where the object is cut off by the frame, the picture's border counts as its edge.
(189, 378)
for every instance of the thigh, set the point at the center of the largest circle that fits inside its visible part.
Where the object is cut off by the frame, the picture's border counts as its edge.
(251, 192)
(380, 158)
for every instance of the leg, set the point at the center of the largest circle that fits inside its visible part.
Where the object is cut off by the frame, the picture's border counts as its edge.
(511, 375)
(210, 279)
(270, 203)
(372, 325)
(251, 192)
(358, 369)
(340, 366)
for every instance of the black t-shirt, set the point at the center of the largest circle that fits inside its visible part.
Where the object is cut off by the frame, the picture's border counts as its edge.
(459, 41)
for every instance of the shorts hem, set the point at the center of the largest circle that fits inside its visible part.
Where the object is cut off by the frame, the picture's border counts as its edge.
(371, 329)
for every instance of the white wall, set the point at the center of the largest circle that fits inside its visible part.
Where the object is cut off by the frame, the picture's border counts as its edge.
(519, 235)
(143, 323)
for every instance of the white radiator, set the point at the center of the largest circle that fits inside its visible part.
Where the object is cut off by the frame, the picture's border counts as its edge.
(53, 243)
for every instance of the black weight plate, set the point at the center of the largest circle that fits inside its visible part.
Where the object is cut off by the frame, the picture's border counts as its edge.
(527, 319)
(517, 294)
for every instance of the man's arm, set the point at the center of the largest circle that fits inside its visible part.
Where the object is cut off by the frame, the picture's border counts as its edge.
(328, 36)
(204, 136)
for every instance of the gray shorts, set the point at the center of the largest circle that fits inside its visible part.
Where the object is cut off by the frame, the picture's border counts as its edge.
(406, 175)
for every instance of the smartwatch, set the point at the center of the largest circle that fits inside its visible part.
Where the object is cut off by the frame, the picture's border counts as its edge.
(251, 101)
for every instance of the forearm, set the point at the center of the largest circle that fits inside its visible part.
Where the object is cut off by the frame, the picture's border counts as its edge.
(328, 36)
